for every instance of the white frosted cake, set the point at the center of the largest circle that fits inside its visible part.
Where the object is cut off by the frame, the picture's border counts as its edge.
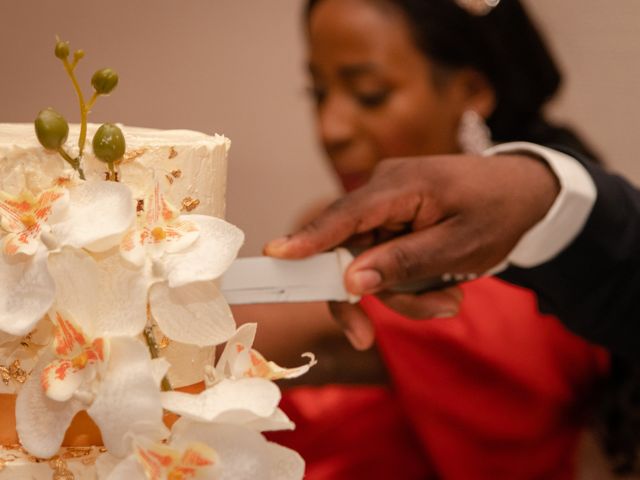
(109, 305)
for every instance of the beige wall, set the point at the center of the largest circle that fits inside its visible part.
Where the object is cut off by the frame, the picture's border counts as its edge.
(236, 67)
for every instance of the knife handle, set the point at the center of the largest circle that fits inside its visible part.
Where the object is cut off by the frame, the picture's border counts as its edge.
(434, 283)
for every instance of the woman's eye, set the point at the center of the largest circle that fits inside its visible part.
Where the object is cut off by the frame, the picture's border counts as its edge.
(318, 94)
(373, 99)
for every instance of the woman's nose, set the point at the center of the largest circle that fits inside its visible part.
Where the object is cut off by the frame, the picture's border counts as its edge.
(336, 119)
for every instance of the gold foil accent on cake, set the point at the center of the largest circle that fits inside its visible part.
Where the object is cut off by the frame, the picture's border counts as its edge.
(60, 469)
(13, 372)
(131, 155)
(139, 206)
(164, 341)
(59, 464)
(26, 341)
(173, 153)
(189, 204)
(173, 175)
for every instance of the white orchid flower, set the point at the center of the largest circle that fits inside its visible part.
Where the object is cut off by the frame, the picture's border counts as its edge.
(250, 402)
(240, 390)
(91, 215)
(206, 451)
(88, 368)
(240, 360)
(183, 255)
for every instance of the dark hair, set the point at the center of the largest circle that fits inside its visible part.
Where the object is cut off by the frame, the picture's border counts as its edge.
(506, 47)
(503, 45)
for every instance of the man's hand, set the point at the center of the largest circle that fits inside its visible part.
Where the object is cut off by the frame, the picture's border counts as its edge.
(423, 217)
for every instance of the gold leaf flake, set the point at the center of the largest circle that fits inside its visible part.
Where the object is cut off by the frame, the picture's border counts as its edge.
(176, 173)
(169, 179)
(173, 153)
(13, 372)
(60, 469)
(131, 155)
(189, 204)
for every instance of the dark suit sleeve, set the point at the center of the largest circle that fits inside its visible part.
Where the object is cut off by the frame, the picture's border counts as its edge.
(594, 285)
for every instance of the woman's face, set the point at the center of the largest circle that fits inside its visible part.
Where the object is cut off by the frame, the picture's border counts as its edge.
(375, 91)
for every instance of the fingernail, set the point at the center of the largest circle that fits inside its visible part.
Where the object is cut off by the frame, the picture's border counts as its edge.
(365, 281)
(274, 245)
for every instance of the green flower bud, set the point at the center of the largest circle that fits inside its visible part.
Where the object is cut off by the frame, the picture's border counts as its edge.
(51, 129)
(62, 49)
(104, 81)
(108, 143)
(78, 54)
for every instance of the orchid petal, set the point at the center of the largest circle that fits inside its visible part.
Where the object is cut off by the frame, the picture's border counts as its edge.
(77, 360)
(106, 298)
(194, 461)
(99, 215)
(41, 422)
(208, 258)
(26, 242)
(127, 469)
(241, 451)
(132, 249)
(286, 464)
(26, 217)
(196, 313)
(245, 335)
(275, 422)
(229, 401)
(159, 369)
(128, 399)
(61, 380)
(260, 367)
(244, 454)
(77, 279)
(27, 292)
(121, 302)
(106, 465)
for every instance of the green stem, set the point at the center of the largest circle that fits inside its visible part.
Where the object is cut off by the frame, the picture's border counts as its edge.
(83, 107)
(112, 172)
(92, 101)
(153, 349)
(74, 162)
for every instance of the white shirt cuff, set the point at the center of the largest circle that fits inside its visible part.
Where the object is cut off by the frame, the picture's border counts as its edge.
(566, 217)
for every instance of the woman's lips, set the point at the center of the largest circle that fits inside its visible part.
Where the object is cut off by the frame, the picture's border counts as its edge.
(351, 181)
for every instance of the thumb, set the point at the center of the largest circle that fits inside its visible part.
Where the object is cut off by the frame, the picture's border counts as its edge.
(417, 256)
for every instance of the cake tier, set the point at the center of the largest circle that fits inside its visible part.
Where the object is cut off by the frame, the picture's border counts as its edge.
(191, 168)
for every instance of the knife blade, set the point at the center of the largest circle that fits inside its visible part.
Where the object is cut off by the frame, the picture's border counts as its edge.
(270, 280)
(318, 278)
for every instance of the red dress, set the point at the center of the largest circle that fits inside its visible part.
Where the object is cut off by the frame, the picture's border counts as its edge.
(498, 392)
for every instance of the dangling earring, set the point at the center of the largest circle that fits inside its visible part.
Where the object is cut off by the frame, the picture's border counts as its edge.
(474, 137)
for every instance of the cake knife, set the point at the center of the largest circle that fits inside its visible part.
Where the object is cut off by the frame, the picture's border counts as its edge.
(317, 278)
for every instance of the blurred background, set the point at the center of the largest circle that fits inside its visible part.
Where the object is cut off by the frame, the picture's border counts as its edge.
(237, 67)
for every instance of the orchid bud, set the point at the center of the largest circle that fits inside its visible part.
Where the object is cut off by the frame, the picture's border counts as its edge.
(51, 129)
(108, 143)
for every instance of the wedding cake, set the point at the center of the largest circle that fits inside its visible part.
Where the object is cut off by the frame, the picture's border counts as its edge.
(110, 312)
